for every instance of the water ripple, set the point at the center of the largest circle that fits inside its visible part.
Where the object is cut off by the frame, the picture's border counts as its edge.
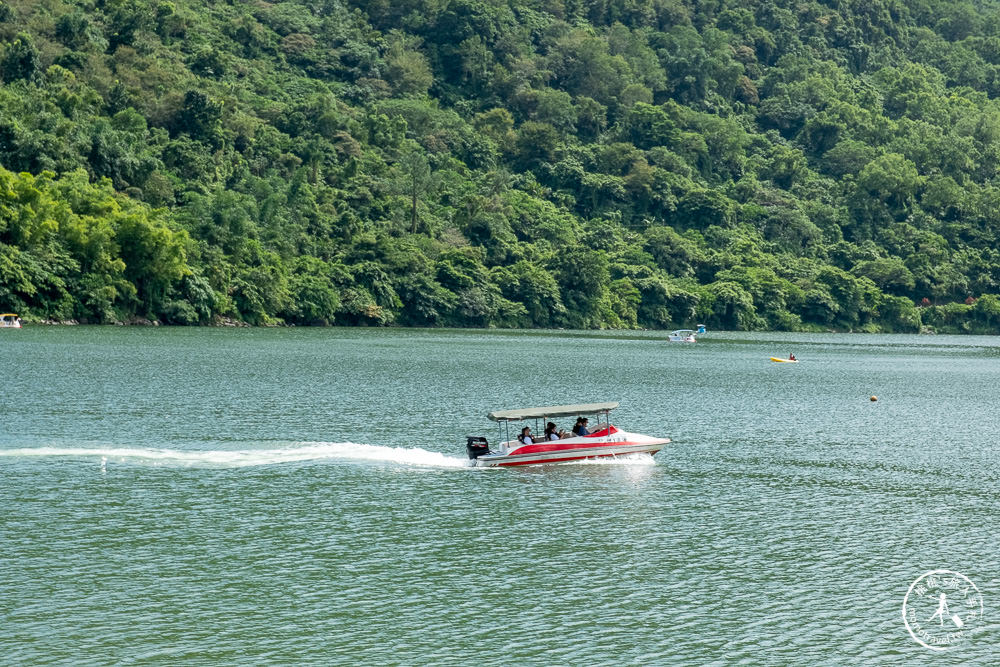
(783, 526)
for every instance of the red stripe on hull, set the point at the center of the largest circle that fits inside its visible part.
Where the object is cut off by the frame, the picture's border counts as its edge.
(541, 448)
(557, 446)
(573, 458)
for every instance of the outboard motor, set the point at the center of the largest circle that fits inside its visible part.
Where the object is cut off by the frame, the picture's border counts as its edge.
(477, 446)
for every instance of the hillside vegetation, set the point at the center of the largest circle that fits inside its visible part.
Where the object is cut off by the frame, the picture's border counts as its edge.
(798, 165)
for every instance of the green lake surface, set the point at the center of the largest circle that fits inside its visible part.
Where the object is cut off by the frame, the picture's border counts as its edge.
(302, 496)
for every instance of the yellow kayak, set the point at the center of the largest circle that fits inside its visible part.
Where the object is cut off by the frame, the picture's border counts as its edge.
(785, 361)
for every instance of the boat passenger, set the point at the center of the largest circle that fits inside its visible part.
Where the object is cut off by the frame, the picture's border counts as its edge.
(525, 436)
(552, 434)
(581, 426)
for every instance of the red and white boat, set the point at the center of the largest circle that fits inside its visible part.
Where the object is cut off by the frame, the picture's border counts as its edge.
(605, 440)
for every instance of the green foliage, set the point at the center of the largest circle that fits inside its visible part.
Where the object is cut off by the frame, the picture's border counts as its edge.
(533, 287)
(898, 314)
(648, 164)
(726, 305)
(199, 117)
(583, 279)
(73, 249)
(315, 299)
(986, 311)
(407, 70)
(20, 60)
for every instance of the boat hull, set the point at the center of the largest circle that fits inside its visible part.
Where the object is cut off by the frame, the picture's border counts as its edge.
(575, 449)
(682, 336)
(784, 361)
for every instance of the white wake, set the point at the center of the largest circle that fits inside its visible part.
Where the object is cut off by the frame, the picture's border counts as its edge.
(316, 451)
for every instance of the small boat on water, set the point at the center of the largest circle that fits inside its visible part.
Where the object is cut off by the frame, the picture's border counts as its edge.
(10, 321)
(682, 336)
(604, 440)
(784, 361)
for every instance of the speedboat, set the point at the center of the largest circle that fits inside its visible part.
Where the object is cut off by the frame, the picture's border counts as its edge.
(604, 441)
(10, 321)
(682, 336)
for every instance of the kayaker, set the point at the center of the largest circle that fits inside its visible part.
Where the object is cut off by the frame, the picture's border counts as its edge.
(791, 357)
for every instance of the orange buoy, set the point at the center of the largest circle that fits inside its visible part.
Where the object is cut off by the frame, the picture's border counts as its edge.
(873, 398)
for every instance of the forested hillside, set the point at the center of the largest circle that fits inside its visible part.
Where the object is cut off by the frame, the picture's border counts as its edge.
(512, 163)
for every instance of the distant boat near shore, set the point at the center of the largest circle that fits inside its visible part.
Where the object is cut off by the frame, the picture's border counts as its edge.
(682, 336)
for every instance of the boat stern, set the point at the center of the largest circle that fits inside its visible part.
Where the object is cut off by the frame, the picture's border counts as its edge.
(476, 446)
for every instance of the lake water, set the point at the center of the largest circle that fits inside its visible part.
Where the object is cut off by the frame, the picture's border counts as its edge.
(302, 496)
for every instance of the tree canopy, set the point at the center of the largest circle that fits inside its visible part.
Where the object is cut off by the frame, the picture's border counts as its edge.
(806, 165)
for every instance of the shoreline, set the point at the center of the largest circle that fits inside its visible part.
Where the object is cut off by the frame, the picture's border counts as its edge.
(229, 323)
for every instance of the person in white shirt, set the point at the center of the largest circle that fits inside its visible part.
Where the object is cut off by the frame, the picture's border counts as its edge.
(525, 436)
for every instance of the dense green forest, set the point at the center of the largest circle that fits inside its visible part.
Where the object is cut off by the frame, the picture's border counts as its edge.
(798, 165)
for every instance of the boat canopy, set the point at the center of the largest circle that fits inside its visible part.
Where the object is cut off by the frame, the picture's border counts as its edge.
(551, 411)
